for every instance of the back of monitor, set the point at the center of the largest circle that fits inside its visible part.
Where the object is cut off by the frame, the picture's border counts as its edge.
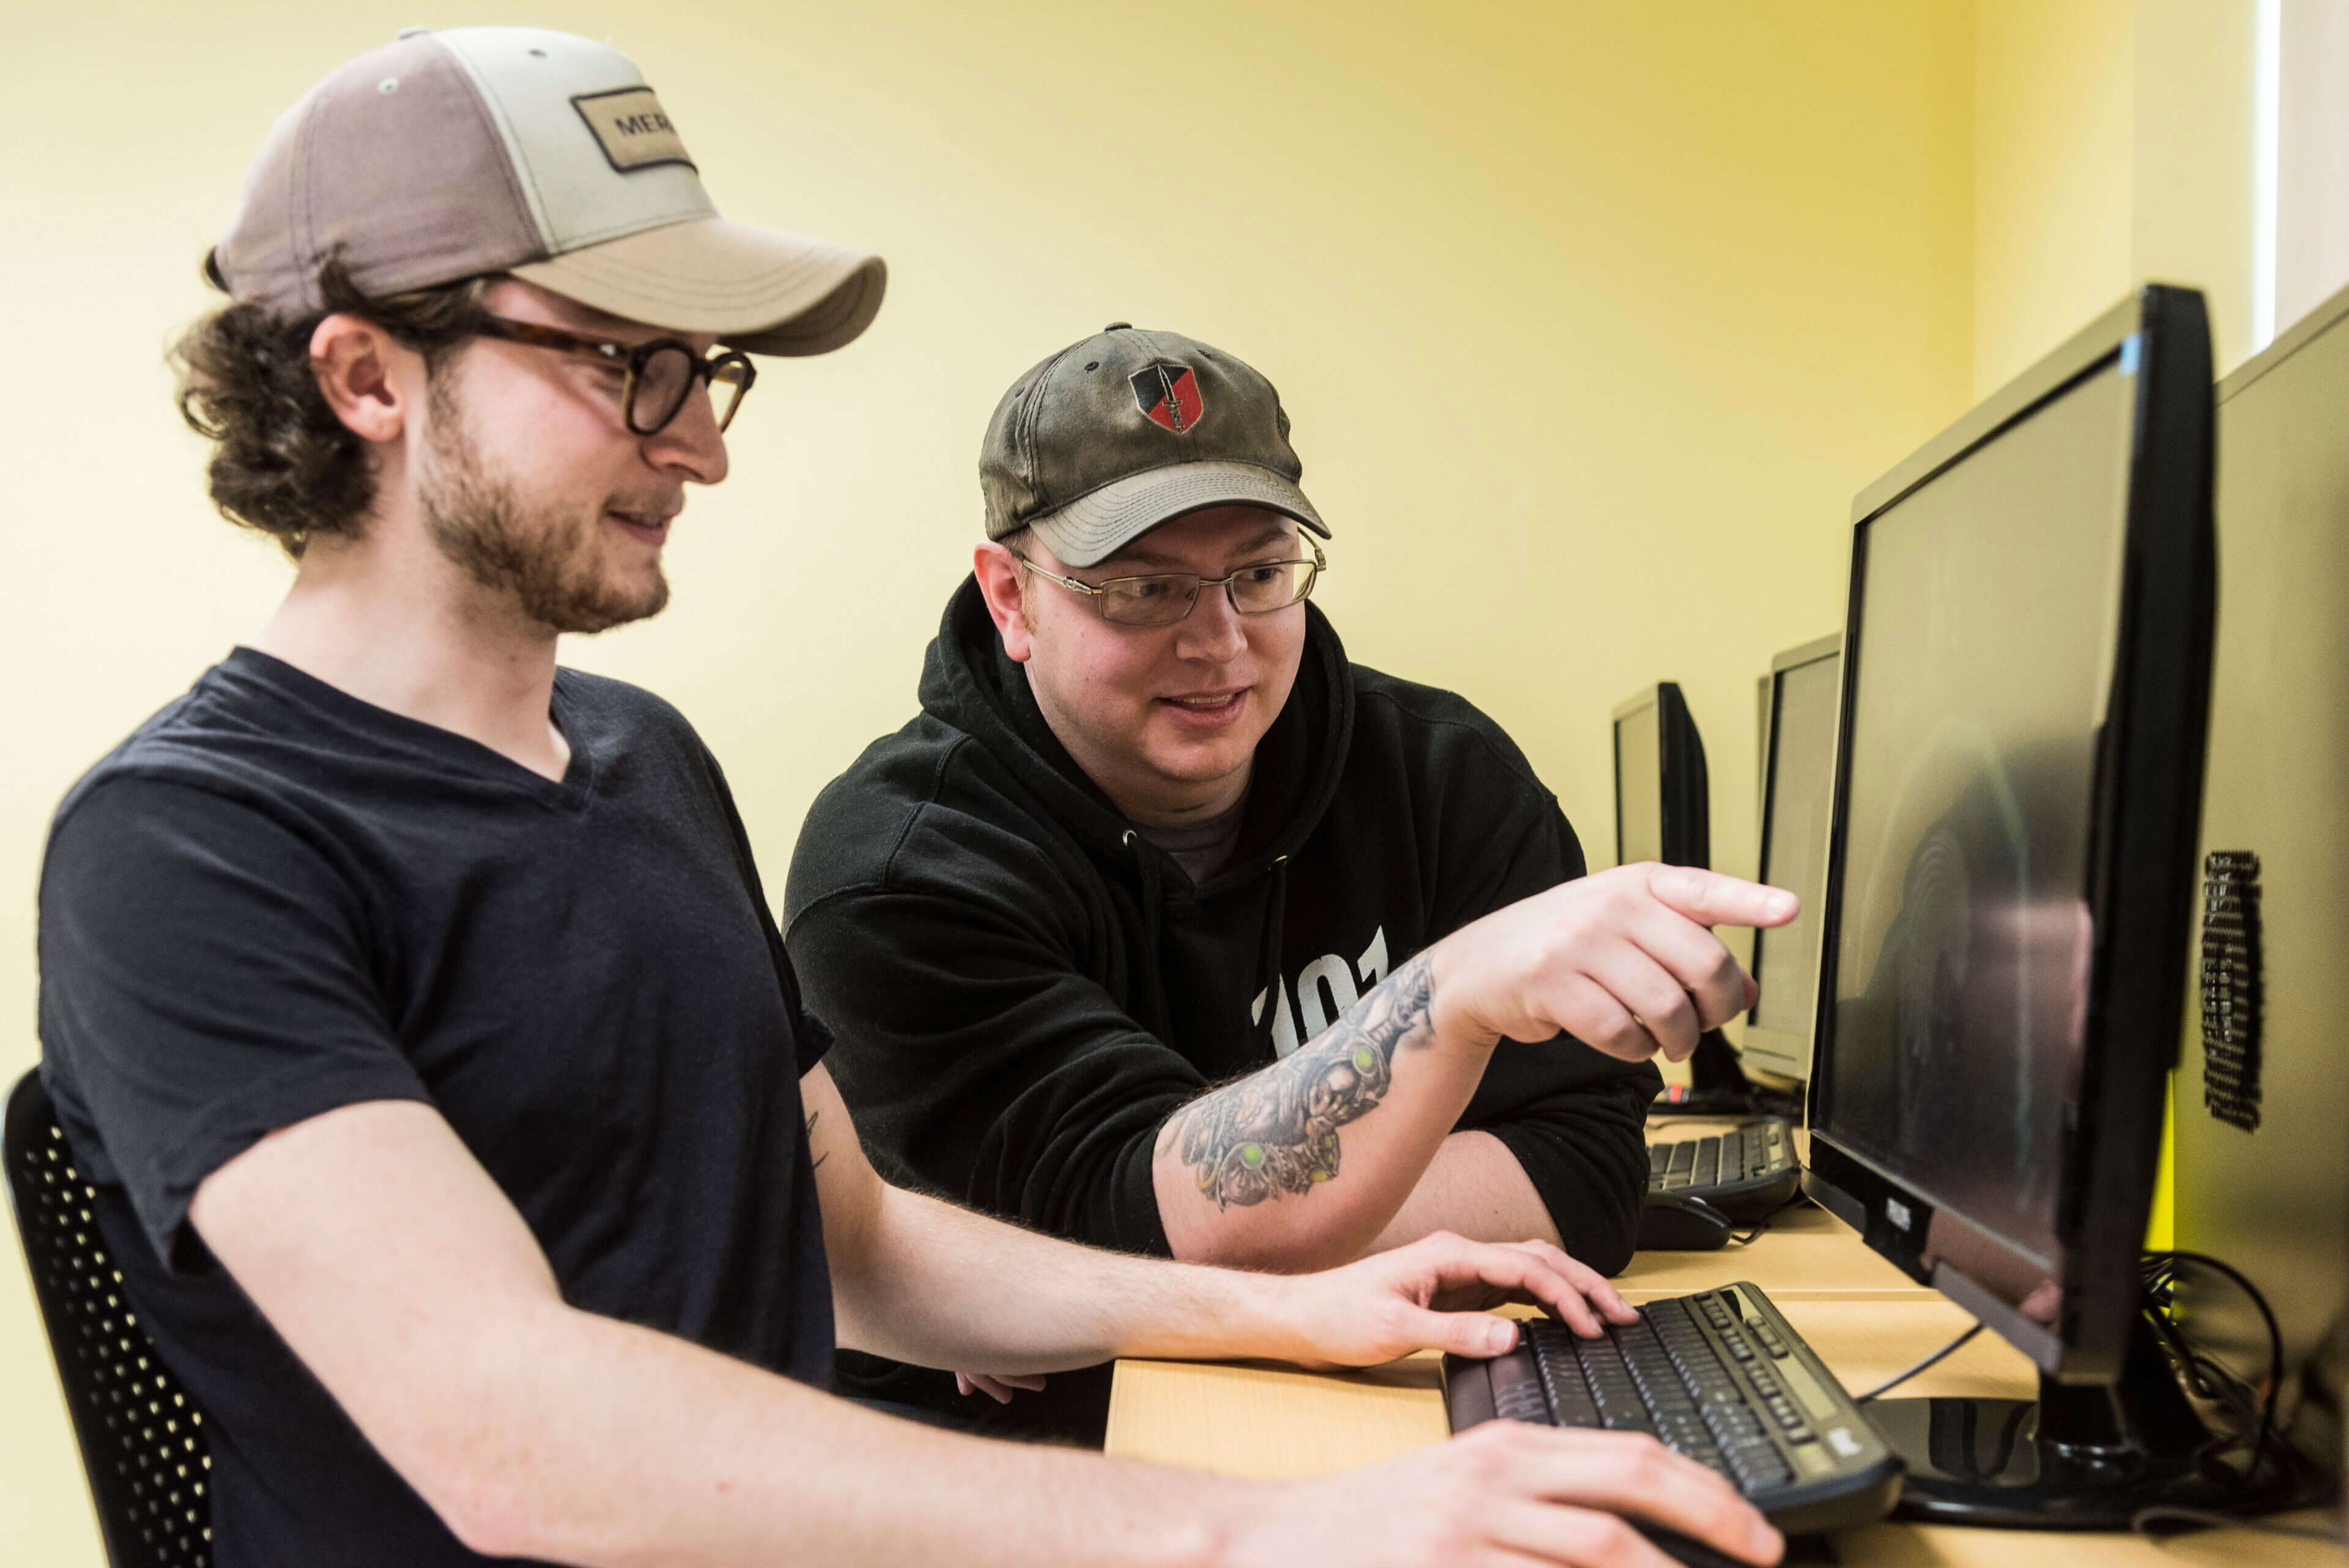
(2262, 1090)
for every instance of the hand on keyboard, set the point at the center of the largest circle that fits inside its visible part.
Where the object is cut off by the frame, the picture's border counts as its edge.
(1721, 1378)
(1435, 1293)
(1509, 1493)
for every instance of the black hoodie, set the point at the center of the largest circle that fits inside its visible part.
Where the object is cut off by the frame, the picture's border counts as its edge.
(1023, 988)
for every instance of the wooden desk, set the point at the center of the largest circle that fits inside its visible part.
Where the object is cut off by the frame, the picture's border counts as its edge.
(1866, 1319)
(1807, 1255)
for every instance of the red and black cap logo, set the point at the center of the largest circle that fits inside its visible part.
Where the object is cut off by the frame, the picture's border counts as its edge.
(1168, 395)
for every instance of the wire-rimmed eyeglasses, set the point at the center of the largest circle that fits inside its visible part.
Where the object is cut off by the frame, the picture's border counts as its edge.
(1161, 598)
(656, 376)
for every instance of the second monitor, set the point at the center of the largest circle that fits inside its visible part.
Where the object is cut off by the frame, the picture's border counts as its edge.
(1663, 814)
(1662, 810)
(1804, 689)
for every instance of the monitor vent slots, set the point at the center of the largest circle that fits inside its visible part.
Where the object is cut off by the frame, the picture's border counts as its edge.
(2231, 987)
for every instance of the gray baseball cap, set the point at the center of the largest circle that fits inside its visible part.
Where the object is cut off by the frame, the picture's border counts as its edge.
(449, 155)
(1129, 428)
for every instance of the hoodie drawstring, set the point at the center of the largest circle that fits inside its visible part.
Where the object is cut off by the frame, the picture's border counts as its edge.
(1268, 958)
(1163, 1022)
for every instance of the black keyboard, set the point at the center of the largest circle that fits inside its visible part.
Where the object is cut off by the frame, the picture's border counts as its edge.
(1718, 1377)
(1746, 1173)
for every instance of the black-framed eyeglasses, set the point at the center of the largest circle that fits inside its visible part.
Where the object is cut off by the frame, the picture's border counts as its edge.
(656, 376)
(1161, 598)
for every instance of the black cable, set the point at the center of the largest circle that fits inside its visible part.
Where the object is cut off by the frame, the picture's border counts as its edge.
(1897, 1379)
(2160, 1275)
(1763, 1223)
(2205, 1378)
(2145, 1522)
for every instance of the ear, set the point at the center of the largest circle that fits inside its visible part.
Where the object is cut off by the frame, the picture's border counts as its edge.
(369, 380)
(1003, 585)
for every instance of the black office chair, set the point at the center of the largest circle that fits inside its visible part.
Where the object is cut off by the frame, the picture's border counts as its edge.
(143, 1440)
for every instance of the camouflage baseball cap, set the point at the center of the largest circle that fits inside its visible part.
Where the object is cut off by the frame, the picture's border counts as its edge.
(450, 155)
(1129, 428)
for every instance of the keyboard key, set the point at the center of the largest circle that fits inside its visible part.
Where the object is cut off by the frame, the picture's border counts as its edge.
(1516, 1390)
(1561, 1375)
(1620, 1408)
(1752, 1473)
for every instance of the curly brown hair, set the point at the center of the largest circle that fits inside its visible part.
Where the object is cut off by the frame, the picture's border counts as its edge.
(282, 463)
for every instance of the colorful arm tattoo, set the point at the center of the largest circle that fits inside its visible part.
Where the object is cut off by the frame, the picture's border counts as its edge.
(1276, 1131)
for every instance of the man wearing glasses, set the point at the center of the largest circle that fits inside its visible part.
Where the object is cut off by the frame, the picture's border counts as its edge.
(459, 1134)
(1142, 932)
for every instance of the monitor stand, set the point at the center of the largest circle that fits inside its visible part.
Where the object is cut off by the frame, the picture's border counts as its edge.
(1718, 1086)
(2076, 1459)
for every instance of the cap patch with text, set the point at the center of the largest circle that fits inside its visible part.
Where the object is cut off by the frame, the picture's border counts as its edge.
(632, 128)
(1168, 395)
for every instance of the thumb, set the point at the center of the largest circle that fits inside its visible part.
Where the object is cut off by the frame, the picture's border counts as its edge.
(1710, 899)
(1481, 1335)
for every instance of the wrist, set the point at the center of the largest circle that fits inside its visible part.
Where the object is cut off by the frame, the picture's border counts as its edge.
(1271, 1319)
(1454, 984)
(1243, 1524)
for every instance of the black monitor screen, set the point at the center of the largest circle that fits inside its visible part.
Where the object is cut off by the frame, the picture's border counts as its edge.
(1795, 847)
(1984, 636)
(1639, 788)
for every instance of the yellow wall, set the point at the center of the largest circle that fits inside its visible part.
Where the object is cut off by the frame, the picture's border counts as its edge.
(2053, 136)
(2112, 145)
(1592, 317)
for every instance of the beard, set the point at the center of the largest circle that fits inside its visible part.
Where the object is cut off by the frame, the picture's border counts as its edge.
(547, 556)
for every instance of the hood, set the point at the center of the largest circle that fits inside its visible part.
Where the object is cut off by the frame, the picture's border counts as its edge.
(970, 683)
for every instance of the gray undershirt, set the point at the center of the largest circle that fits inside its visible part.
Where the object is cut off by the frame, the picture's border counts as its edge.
(1201, 848)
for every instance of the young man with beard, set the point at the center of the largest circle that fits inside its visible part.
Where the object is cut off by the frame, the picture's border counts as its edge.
(458, 1129)
(1153, 833)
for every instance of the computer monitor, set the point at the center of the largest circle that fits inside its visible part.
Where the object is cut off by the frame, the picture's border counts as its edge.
(1803, 692)
(2262, 1165)
(2009, 889)
(1662, 808)
(1663, 812)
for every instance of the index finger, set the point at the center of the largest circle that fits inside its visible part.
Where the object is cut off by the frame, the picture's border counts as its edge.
(1602, 1296)
(1710, 899)
(1525, 1275)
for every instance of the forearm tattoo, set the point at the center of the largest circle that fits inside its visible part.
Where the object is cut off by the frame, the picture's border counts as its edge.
(1276, 1131)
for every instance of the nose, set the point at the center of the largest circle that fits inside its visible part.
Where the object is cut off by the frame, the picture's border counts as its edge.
(1212, 631)
(691, 446)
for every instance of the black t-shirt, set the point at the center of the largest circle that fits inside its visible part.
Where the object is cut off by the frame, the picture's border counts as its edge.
(274, 900)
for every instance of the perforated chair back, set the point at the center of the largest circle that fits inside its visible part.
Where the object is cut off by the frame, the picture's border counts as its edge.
(142, 1439)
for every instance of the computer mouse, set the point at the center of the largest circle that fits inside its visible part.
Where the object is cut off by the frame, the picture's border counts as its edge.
(1679, 1222)
(1697, 1555)
(1687, 1549)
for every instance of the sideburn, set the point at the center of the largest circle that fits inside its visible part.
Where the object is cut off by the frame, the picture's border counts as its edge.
(544, 555)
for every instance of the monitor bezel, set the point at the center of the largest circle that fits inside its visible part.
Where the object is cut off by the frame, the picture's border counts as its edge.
(2148, 784)
(1785, 1052)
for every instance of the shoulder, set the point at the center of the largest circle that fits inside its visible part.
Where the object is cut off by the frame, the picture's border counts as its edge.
(606, 704)
(1426, 729)
(196, 751)
(925, 809)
